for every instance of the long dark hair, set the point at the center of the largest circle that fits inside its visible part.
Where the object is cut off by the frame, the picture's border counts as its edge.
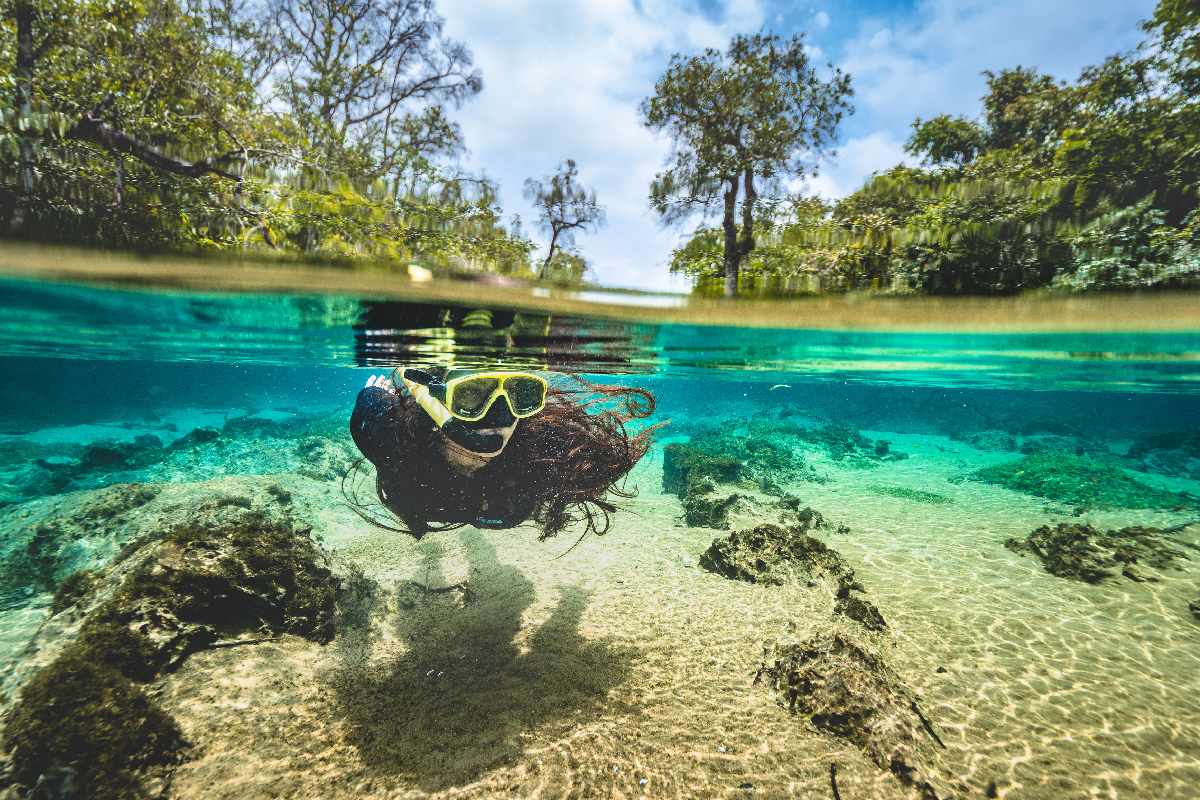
(565, 462)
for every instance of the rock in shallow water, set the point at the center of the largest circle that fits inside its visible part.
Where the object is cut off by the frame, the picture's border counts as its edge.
(848, 691)
(83, 721)
(1085, 553)
(772, 554)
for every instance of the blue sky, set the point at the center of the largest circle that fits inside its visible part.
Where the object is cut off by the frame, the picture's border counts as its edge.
(563, 79)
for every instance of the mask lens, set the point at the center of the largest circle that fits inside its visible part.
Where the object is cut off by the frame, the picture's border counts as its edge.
(471, 396)
(526, 394)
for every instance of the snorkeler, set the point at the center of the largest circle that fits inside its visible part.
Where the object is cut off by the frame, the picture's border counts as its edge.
(494, 449)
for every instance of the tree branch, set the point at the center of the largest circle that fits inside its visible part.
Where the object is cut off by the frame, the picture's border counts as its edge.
(91, 129)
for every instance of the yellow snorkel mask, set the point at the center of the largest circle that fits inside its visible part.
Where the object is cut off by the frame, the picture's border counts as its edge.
(464, 405)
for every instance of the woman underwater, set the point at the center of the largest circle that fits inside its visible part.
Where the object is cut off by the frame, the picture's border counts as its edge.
(495, 448)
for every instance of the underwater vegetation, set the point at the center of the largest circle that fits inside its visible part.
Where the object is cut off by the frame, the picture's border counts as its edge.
(1080, 481)
(83, 723)
(848, 691)
(1086, 553)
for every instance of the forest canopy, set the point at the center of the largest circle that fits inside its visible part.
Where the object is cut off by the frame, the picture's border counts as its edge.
(1080, 185)
(296, 126)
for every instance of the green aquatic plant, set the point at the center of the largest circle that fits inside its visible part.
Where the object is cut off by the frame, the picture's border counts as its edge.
(1085, 482)
(1085, 553)
(84, 729)
(916, 495)
(73, 589)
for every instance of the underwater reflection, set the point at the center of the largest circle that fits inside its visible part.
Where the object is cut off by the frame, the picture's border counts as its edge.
(454, 705)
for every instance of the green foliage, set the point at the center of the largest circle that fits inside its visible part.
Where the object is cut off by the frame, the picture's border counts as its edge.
(1131, 248)
(165, 125)
(1086, 185)
(946, 140)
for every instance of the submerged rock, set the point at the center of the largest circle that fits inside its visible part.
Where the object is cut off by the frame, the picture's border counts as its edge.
(1059, 444)
(1087, 482)
(847, 691)
(683, 463)
(40, 555)
(82, 721)
(323, 459)
(773, 555)
(1194, 607)
(1082, 552)
(704, 508)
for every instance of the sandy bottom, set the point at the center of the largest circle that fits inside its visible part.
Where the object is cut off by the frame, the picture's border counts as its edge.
(488, 663)
(623, 669)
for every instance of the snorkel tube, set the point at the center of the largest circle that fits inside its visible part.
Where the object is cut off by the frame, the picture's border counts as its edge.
(461, 433)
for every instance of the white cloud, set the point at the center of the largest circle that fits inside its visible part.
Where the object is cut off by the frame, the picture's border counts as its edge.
(931, 63)
(855, 159)
(821, 20)
(564, 80)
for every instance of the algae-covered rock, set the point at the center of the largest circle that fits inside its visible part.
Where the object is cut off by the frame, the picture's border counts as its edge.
(43, 553)
(1082, 552)
(323, 459)
(82, 723)
(1049, 443)
(706, 509)
(1194, 607)
(82, 729)
(1081, 481)
(200, 583)
(683, 463)
(765, 459)
(846, 690)
(771, 554)
(852, 606)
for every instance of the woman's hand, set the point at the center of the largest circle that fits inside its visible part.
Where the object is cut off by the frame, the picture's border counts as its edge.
(381, 382)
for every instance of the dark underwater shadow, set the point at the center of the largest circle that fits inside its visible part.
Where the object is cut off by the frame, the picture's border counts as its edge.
(455, 705)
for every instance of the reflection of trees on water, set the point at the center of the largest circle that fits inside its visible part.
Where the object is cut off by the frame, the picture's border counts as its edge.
(457, 702)
(388, 333)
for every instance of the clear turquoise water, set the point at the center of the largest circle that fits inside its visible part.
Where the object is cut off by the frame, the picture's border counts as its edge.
(87, 366)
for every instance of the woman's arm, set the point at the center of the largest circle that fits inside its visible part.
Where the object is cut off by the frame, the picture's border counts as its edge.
(373, 425)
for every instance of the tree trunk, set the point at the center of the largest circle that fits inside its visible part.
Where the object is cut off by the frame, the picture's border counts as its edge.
(733, 258)
(747, 241)
(549, 254)
(24, 104)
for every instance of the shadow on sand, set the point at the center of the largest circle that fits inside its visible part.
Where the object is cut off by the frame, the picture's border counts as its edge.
(455, 705)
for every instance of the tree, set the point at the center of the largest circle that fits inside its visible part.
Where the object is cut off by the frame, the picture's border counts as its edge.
(945, 140)
(563, 207)
(740, 122)
(366, 81)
